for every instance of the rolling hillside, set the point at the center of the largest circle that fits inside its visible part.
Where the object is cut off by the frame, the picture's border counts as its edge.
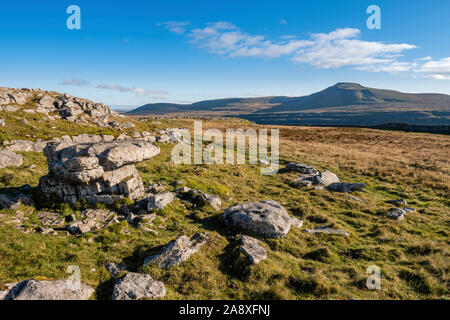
(341, 104)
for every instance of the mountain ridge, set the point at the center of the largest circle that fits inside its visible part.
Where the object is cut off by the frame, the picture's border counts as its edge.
(346, 99)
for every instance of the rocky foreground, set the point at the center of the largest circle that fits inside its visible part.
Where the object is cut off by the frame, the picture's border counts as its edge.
(102, 170)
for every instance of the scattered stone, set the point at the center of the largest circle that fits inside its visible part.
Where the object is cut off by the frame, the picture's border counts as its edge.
(198, 198)
(302, 168)
(267, 218)
(295, 222)
(325, 178)
(159, 201)
(251, 248)
(346, 187)
(92, 219)
(328, 230)
(49, 290)
(10, 159)
(177, 251)
(2, 122)
(396, 214)
(51, 219)
(136, 286)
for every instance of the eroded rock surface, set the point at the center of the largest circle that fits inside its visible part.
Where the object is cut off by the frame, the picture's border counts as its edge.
(49, 290)
(267, 218)
(252, 249)
(97, 172)
(177, 251)
(137, 286)
(10, 159)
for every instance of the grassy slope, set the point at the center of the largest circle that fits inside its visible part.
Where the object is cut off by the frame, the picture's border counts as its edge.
(412, 254)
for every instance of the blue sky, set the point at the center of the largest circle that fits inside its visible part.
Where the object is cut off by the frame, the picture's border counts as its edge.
(128, 53)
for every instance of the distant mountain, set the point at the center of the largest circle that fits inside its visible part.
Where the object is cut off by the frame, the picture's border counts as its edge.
(341, 104)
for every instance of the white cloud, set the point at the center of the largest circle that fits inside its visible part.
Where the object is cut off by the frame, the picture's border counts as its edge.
(73, 82)
(226, 39)
(436, 69)
(283, 21)
(178, 27)
(343, 48)
(139, 91)
(339, 48)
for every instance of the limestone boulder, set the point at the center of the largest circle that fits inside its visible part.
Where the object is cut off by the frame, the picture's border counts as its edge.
(267, 218)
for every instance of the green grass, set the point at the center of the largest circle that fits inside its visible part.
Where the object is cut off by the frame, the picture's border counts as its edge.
(412, 254)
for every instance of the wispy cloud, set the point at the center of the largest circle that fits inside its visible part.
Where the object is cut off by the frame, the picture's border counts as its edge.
(283, 21)
(436, 69)
(226, 39)
(138, 91)
(339, 48)
(178, 27)
(343, 47)
(74, 82)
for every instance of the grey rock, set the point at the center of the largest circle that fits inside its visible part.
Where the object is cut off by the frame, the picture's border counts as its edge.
(91, 220)
(325, 178)
(302, 168)
(51, 219)
(10, 159)
(177, 251)
(20, 146)
(137, 286)
(159, 201)
(198, 198)
(345, 187)
(396, 214)
(295, 222)
(251, 248)
(267, 218)
(98, 172)
(49, 290)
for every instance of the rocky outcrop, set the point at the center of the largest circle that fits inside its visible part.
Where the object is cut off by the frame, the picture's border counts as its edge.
(63, 106)
(267, 218)
(177, 251)
(137, 286)
(97, 172)
(13, 96)
(251, 248)
(10, 159)
(49, 290)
